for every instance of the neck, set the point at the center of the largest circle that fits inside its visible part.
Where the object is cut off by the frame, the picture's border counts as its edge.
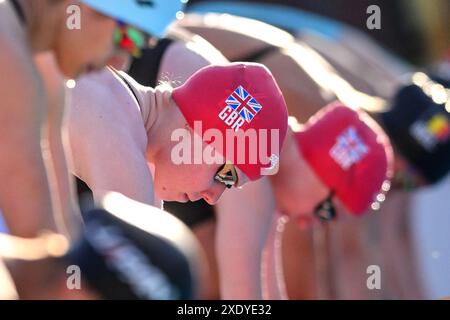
(163, 118)
(41, 22)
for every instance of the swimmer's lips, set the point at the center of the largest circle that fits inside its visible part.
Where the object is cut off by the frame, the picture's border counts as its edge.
(92, 68)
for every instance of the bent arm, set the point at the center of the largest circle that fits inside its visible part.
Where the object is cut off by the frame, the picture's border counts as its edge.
(106, 154)
(24, 190)
(67, 217)
(182, 59)
(244, 219)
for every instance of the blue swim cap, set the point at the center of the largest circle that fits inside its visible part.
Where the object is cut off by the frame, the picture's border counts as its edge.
(151, 16)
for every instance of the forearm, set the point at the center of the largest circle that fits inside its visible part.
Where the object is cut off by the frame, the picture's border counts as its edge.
(24, 192)
(239, 261)
(244, 218)
(273, 276)
(67, 215)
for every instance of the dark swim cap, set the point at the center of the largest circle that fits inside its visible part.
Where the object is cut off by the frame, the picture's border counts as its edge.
(418, 123)
(121, 259)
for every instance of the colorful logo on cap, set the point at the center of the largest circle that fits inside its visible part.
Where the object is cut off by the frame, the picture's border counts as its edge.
(349, 149)
(244, 104)
(435, 130)
(439, 127)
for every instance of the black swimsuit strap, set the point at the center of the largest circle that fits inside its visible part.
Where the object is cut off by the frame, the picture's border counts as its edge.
(19, 11)
(128, 85)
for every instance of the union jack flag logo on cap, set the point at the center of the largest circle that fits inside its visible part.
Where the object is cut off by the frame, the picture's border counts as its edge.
(244, 104)
(349, 149)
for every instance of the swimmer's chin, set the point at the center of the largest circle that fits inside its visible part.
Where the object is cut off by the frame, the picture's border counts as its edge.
(93, 69)
(88, 69)
(182, 198)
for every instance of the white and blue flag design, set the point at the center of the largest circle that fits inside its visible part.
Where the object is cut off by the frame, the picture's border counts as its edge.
(244, 104)
(349, 149)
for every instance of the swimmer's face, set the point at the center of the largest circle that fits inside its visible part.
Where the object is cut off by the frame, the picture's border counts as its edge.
(185, 167)
(86, 49)
(294, 198)
(183, 174)
(297, 190)
(191, 182)
(187, 182)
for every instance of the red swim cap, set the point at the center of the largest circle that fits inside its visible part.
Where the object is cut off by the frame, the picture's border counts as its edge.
(239, 100)
(350, 153)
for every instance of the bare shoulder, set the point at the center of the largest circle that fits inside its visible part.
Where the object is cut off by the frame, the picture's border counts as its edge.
(103, 110)
(93, 107)
(107, 137)
(91, 93)
(182, 59)
(104, 97)
(198, 46)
